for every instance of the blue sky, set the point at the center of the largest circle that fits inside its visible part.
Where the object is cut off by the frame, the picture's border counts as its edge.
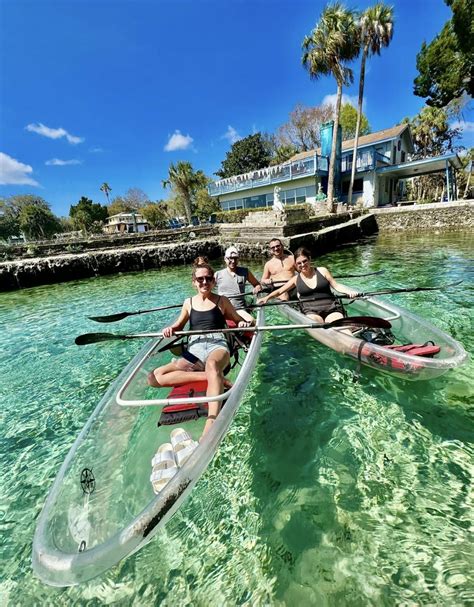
(116, 90)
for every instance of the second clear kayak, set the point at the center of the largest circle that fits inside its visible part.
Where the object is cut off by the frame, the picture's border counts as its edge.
(421, 352)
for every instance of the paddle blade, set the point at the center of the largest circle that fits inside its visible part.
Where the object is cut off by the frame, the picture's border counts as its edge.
(363, 321)
(93, 338)
(110, 318)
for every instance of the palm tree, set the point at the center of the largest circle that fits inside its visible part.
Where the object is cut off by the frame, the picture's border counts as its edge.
(332, 43)
(185, 181)
(376, 31)
(106, 189)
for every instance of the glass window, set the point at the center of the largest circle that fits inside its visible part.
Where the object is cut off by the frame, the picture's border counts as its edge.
(310, 191)
(239, 203)
(289, 196)
(269, 200)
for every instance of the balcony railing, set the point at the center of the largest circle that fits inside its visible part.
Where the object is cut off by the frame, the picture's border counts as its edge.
(281, 172)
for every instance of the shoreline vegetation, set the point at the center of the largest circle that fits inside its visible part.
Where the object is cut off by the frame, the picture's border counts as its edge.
(89, 258)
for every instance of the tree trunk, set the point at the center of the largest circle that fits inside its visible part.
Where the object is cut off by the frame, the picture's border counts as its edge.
(187, 209)
(359, 118)
(332, 162)
(468, 182)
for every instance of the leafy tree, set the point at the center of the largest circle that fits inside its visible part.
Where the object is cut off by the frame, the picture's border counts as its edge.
(375, 31)
(248, 154)
(12, 222)
(106, 189)
(348, 122)
(331, 44)
(38, 222)
(432, 136)
(9, 225)
(431, 132)
(119, 205)
(155, 214)
(282, 154)
(86, 212)
(446, 65)
(185, 181)
(206, 205)
(302, 131)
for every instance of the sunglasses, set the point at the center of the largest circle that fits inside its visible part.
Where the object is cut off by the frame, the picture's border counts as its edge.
(276, 246)
(204, 279)
(303, 262)
(233, 258)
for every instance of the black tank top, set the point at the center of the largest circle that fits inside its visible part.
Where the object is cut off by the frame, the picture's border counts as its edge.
(321, 291)
(206, 319)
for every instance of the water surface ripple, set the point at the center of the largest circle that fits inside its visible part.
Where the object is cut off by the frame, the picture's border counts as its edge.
(325, 491)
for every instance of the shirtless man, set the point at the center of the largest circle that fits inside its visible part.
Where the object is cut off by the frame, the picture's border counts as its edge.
(280, 268)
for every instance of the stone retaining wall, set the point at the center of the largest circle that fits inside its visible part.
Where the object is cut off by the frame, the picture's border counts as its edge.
(424, 217)
(47, 270)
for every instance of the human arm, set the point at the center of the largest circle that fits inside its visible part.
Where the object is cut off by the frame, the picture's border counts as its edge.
(179, 323)
(286, 287)
(337, 286)
(266, 276)
(254, 282)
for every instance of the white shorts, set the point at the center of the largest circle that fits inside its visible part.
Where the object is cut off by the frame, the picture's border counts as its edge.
(201, 346)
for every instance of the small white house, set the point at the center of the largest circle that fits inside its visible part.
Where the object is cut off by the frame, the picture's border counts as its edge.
(126, 223)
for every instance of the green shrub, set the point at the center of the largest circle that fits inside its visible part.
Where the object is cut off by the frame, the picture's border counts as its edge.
(75, 248)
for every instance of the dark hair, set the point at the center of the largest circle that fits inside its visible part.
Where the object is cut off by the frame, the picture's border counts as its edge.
(200, 260)
(302, 251)
(203, 266)
(275, 240)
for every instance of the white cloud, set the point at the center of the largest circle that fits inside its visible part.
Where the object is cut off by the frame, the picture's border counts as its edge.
(331, 100)
(231, 135)
(14, 172)
(56, 162)
(46, 131)
(96, 150)
(465, 125)
(177, 141)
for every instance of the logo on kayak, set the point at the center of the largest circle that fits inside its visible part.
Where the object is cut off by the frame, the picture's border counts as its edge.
(87, 481)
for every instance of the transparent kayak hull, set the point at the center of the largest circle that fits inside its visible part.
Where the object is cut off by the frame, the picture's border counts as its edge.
(102, 506)
(407, 327)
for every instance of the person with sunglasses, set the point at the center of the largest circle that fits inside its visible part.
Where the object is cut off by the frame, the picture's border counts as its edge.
(231, 282)
(313, 288)
(280, 268)
(206, 356)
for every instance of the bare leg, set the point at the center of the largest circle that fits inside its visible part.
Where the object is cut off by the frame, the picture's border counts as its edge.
(337, 316)
(215, 365)
(173, 374)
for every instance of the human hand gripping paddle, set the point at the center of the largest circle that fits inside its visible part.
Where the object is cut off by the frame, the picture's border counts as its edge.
(364, 321)
(122, 315)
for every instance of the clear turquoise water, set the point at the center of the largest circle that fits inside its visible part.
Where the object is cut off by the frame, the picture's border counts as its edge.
(324, 492)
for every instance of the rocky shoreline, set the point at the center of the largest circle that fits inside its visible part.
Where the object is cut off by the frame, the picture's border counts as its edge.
(31, 272)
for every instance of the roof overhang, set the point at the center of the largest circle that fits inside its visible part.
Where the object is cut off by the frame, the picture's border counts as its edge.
(421, 167)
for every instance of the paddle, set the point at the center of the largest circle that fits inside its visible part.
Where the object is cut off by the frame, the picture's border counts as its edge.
(360, 295)
(122, 315)
(403, 290)
(364, 321)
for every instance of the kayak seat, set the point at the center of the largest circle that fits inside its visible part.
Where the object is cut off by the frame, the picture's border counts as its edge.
(179, 413)
(428, 349)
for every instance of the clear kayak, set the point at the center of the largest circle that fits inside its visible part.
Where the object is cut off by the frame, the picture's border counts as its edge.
(103, 505)
(407, 328)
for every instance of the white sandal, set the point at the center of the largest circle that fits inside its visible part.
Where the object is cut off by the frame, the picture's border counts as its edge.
(183, 445)
(164, 467)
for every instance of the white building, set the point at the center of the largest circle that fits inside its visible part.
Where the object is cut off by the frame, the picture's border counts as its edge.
(383, 164)
(126, 223)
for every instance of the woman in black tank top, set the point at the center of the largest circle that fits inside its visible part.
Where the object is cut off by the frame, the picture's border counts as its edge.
(210, 352)
(313, 287)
